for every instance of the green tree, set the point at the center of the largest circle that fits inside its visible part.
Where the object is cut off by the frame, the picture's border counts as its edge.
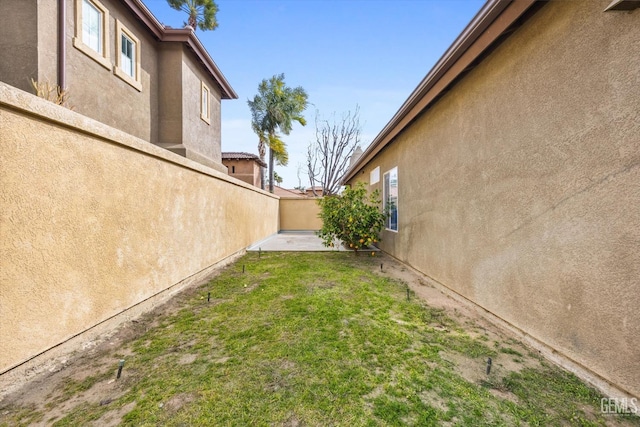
(202, 13)
(353, 218)
(273, 110)
(277, 178)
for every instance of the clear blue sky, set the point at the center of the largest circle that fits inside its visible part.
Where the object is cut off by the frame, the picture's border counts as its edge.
(370, 53)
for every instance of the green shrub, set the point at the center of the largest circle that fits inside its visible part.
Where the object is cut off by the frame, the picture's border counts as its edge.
(353, 218)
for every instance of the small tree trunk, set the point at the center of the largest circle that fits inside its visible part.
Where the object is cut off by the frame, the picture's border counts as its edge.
(270, 170)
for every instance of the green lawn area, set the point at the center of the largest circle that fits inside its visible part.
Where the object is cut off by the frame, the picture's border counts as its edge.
(309, 339)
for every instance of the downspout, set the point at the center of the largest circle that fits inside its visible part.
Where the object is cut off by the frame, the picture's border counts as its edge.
(62, 50)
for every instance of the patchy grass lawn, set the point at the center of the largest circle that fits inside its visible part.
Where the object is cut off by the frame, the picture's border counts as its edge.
(308, 339)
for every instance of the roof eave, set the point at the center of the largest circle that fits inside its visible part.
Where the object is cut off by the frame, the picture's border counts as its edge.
(493, 19)
(188, 36)
(183, 35)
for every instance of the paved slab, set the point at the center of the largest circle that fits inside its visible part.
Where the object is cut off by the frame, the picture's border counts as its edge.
(298, 241)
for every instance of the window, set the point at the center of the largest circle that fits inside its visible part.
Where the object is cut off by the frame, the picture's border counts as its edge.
(374, 176)
(92, 28)
(233, 169)
(390, 198)
(205, 103)
(128, 58)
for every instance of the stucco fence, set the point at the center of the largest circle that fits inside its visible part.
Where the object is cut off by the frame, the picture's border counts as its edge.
(298, 214)
(98, 226)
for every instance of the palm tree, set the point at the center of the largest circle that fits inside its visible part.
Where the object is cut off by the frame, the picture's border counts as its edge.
(273, 110)
(202, 13)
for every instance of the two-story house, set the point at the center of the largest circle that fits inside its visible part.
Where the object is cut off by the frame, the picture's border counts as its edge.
(119, 66)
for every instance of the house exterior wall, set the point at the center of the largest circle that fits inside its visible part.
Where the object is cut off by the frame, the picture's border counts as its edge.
(519, 189)
(170, 89)
(245, 170)
(201, 139)
(47, 13)
(18, 35)
(97, 225)
(97, 92)
(299, 214)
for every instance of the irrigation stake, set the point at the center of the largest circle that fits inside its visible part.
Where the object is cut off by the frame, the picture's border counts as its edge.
(242, 268)
(488, 366)
(120, 366)
(208, 296)
(380, 266)
(259, 252)
(408, 296)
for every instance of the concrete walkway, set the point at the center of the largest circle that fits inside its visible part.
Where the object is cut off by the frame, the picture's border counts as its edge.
(297, 241)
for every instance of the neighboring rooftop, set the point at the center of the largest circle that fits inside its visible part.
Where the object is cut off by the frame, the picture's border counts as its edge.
(243, 156)
(283, 192)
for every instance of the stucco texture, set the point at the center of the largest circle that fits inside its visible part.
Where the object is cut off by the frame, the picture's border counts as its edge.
(299, 214)
(94, 221)
(97, 92)
(520, 188)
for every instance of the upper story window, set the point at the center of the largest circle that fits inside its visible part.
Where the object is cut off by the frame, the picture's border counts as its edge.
(205, 103)
(92, 26)
(390, 198)
(92, 31)
(128, 58)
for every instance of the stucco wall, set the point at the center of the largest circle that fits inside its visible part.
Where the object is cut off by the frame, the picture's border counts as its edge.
(18, 35)
(299, 214)
(520, 188)
(169, 91)
(245, 170)
(199, 137)
(94, 221)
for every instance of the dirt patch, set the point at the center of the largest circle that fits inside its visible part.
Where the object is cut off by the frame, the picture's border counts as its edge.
(114, 417)
(178, 401)
(249, 288)
(510, 354)
(187, 359)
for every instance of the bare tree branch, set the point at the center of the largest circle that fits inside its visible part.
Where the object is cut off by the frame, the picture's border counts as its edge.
(328, 157)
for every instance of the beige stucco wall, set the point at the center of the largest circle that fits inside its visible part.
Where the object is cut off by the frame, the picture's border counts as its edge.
(520, 188)
(299, 214)
(93, 221)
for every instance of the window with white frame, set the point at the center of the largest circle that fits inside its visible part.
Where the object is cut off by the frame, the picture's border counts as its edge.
(92, 28)
(128, 55)
(374, 176)
(205, 103)
(390, 198)
(128, 58)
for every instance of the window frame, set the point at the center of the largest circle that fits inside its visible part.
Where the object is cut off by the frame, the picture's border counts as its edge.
(386, 188)
(374, 176)
(205, 106)
(118, 69)
(101, 58)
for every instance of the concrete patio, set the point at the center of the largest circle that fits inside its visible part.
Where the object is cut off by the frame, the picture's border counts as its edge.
(298, 241)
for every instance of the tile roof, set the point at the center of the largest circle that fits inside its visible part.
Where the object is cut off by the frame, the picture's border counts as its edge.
(231, 155)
